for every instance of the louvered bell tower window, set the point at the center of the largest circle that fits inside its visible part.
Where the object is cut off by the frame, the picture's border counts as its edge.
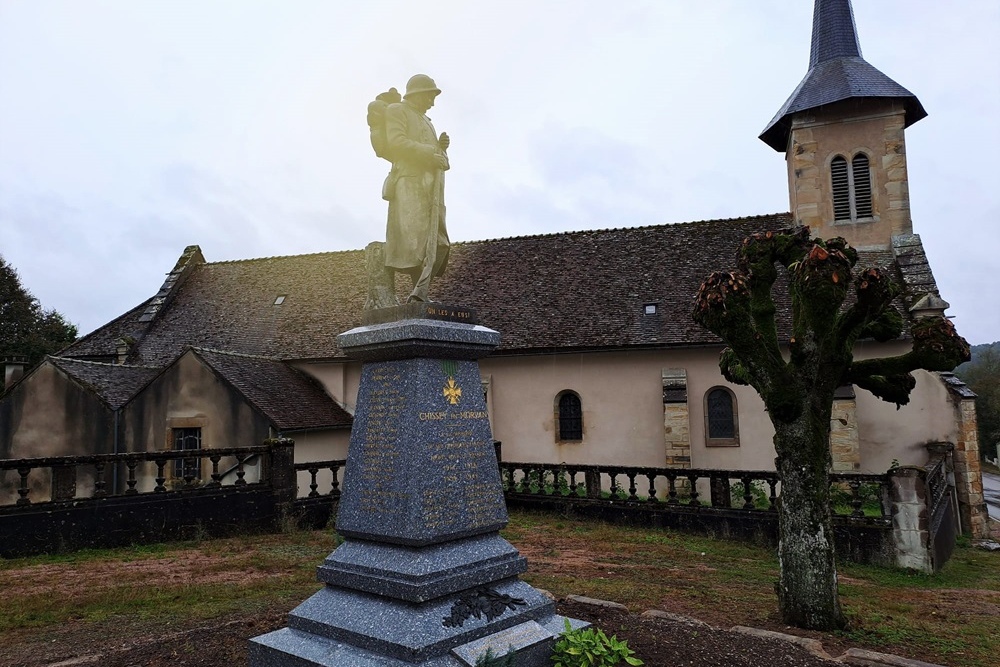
(852, 188)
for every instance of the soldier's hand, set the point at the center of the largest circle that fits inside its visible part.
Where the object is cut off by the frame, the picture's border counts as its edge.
(441, 161)
(444, 141)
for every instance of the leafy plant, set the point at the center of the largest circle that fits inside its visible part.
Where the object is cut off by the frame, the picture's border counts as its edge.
(490, 659)
(590, 647)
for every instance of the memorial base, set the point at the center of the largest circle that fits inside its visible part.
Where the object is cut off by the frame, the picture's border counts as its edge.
(423, 577)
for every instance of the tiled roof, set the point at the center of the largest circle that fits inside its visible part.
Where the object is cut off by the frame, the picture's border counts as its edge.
(837, 71)
(100, 344)
(114, 384)
(290, 399)
(571, 291)
(913, 265)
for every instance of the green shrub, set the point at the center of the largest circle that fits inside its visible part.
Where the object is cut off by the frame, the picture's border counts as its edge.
(490, 659)
(590, 648)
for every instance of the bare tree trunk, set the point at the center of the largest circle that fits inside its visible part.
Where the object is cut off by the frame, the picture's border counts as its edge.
(807, 588)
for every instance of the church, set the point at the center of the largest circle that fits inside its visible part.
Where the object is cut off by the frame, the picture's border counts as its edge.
(600, 360)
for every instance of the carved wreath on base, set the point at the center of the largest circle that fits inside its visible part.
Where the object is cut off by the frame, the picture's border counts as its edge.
(480, 602)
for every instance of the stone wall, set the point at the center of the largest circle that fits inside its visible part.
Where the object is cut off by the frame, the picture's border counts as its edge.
(875, 129)
(676, 419)
(845, 443)
(968, 474)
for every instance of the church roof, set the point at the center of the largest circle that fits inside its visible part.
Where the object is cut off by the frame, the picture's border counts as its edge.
(837, 71)
(114, 384)
(572, 291)
(290, 399)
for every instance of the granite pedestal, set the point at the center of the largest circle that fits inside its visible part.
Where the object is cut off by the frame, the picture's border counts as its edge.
(423, 576)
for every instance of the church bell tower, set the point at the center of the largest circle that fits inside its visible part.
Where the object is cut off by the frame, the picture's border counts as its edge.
(842, 132)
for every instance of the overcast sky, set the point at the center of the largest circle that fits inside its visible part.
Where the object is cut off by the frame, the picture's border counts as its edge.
(130, 129)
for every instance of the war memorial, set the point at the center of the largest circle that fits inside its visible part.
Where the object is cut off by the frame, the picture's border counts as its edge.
(423, 576)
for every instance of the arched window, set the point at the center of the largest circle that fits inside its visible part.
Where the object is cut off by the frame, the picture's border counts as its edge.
(569, 417)
(852, 188)
(721, 421)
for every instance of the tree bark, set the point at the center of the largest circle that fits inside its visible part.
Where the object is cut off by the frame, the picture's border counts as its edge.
(807, 586)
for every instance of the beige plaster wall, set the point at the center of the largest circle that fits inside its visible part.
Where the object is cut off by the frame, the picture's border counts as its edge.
(320, 445)
(875, 128)
(340, 379)
(623, 411)
(48, 414)
(190, 394)
(889, 434)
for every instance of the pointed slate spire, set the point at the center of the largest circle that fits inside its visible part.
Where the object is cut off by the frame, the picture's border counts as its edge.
(836, 72)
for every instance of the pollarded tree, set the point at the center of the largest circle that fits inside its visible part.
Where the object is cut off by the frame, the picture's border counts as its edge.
(25, 329)
(738, 306)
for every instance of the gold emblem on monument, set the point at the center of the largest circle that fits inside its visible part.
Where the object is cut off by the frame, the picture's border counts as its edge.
(452, 391)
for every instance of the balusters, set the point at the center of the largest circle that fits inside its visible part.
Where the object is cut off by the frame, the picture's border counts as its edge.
(313, 484)
(189, 467)
(573, 488)
(672, 488)
(240, 471)
(335, 482)
(510, 479)
(652, 488)
(216, 475)
(524, 483)
(614, 484)
(561, 486)
(160, 476)
(856, 501)
(631, 487)
(747, 492)
(693, 481)
(130, 483)
(773, 498)
(23, 490)
(99, 483)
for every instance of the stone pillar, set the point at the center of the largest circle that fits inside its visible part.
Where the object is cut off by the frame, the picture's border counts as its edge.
(845, 443)
(281, 471)
(423, 577)
(64, 482)
(676, 419)
(910, 523)
(968, 474)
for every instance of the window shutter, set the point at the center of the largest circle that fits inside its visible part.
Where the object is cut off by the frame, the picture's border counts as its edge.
(841, 189)
(862, 185)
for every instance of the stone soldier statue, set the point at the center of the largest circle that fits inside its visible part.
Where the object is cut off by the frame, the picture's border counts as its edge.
(416, 238)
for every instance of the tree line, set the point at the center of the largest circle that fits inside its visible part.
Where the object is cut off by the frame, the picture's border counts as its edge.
(982, 375)
(26, 329)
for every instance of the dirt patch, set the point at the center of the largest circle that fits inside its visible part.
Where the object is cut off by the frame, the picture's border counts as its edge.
(659, 642)
(179, 567)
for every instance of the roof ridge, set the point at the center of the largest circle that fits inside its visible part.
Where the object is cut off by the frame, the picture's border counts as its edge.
(636, 228)
(233, 354)
(269, 257)
(525, 236)
(90, 362)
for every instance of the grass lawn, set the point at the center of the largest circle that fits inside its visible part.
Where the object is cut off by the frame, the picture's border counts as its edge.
(950, 618)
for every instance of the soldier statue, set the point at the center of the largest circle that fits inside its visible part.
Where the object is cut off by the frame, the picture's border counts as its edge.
(416, 237)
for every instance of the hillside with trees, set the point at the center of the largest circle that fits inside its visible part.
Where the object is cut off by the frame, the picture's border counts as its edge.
(982, 374)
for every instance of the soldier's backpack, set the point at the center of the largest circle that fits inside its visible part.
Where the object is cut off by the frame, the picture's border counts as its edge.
(376, 120)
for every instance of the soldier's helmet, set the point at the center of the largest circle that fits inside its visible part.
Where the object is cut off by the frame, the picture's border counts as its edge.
(421, 83)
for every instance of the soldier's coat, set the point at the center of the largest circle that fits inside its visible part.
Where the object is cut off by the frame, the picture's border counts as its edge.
(411, 188)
